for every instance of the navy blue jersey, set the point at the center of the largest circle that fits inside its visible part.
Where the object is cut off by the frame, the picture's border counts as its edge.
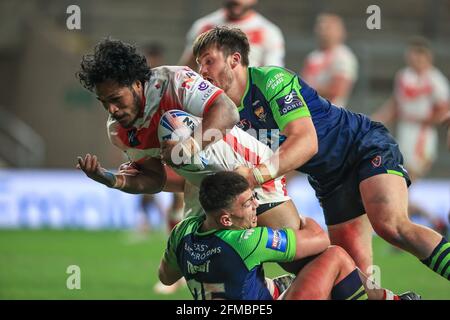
(275, 96)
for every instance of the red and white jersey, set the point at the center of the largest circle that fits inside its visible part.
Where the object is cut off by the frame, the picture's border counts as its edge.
(322, 65)
(265, 38)
(237, 148)
(169, 87)
(416, 95)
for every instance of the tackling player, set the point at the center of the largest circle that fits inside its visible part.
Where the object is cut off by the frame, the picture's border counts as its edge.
(136, 98)
(221, 254)
(353, 163)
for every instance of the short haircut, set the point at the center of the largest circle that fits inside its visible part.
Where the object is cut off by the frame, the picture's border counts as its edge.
(420, 44)
(226, 39)
(113, 60)
(219, 191)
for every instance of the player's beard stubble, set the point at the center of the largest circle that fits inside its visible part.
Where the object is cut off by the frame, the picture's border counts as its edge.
(135, 110)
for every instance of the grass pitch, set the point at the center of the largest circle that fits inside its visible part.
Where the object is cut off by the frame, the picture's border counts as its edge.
(114, 265)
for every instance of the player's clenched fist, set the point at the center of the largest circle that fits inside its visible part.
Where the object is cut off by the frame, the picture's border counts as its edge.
(92, 168)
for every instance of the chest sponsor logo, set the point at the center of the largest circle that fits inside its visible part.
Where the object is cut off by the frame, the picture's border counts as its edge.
(203, 86)
(289, 103)
(247, 234)
(274, 81)
(276, 240)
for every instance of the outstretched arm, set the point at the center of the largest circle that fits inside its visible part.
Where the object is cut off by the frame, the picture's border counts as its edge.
(148, 177)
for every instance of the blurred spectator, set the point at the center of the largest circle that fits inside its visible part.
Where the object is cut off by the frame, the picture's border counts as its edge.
(332, 69)
(266, 39)
(419, 103)
(154, 53)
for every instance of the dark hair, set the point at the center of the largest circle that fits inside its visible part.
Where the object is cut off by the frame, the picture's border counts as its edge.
(218, 191)
(227, 39)
(113, 60)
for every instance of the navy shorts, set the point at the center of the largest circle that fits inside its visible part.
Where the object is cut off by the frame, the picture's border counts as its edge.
(376, 153)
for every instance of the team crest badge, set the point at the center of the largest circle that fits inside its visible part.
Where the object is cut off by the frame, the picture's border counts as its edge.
(376, 162)
(259, 112)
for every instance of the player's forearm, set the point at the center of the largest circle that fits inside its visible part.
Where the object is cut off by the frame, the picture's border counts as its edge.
(221, 116)
(311, 239)
(292, 154)
(139, 184)
(167, 275)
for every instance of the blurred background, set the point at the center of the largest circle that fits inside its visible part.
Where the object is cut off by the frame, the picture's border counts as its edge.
(52, 216)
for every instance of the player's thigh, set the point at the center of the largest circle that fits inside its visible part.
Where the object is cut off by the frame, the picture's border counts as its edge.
(348, 226)
(385, 197)
(284, 215)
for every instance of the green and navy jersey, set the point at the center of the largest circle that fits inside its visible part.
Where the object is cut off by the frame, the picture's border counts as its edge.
(276, 96)
(227, 264)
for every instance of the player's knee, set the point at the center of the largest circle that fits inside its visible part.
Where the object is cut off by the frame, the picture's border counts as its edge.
(390, 231)
(340, 256)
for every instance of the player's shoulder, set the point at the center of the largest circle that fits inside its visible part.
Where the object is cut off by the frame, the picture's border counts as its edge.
(344, 50)
(265, 22)
(164, 72)
(241, 238)
(437, 76)
(271, 78)
(172, 76)
(187, 226)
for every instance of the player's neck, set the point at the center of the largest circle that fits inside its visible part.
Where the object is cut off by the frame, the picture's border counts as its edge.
(237, 89)
(208, 225)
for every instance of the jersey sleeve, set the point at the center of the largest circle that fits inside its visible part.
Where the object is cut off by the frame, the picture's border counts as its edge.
(195, 93)
(283, 91)
(262, 244)
(274, 51)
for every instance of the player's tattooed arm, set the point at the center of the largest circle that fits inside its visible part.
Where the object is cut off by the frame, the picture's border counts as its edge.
(146, 177)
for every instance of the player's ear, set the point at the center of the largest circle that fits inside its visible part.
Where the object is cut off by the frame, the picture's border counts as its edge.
(225, 219)
(235, 59)
(137, 84)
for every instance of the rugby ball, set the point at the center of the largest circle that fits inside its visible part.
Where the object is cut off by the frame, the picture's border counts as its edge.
(177, 125)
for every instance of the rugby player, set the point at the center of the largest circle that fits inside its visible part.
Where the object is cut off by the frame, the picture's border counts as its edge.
(221, 254)
(353, 163)
(332, 69)
(419, 103)
(136, 97)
